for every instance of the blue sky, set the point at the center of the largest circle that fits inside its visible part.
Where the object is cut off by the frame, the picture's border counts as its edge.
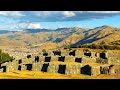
(20, 20)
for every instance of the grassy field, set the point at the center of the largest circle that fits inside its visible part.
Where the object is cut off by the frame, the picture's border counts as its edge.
(41, 75)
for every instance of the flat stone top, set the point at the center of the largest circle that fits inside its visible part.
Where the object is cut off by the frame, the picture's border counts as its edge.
(104, 65)
(94, 64)
(74, 63)
(58, 62)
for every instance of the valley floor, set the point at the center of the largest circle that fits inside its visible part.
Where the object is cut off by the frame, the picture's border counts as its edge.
(41, 75)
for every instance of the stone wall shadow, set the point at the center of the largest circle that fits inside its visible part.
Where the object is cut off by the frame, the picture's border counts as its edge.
(86, 70)
(45, 67)
(61, 69)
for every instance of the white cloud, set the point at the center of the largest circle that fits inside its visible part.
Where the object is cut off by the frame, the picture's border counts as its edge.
(61, 26)
(68, 13)
(41, 13)
(14, 27)
(11, 13)
(25, 19)
(93, 18)
(16, 13)
(34, 26)
(3, 27)
(21, 26)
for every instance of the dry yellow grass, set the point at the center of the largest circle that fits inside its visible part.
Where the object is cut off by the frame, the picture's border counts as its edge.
(41, 75)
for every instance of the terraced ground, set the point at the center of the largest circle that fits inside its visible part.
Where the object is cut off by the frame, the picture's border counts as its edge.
(41, 75)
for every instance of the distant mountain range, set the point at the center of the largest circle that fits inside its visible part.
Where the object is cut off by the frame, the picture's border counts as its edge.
(60, 37)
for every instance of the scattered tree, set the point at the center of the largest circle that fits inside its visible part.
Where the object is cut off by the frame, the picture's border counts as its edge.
(4, 57)
(102, 42)
(44, 50)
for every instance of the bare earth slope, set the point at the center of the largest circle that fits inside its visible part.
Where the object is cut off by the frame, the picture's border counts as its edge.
(60, 37)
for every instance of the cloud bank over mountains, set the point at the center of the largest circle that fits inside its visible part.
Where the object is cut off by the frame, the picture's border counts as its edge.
(51, 16)
(32, 19)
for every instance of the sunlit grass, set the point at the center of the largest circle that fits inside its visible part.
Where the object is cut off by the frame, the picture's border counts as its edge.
(45, 75)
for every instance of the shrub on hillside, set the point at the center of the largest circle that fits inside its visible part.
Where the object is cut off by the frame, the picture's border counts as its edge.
(103, 47)
(4, 57)
(44, 50)
(102, 42)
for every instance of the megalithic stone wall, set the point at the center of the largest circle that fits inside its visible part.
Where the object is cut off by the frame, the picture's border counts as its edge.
(11, 66)
(37, 66)
(114, 58)
(73, 69)
(54, 58)
(79, 54)
(64, 52)
(69, 59)
(50, 53)
(41, 58)
(112, 71)
(23, 67)
(95, 70)
(93, 54)
(53, 68)
(4, 64)
(97, 55)
(1, 70)
(86, 59)
(105, 69)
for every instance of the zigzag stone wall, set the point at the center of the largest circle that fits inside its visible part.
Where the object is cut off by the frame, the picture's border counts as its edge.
(78, 64)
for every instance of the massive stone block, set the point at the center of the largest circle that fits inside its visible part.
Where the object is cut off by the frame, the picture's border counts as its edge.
(11, 67)
(4, 64)
(54, 58)
(114, 57)
(93, 54)
(112, 70)
(42, 58)
(88, 60)
(1, 70)
(79, 53)
(37, 66)
(50, 53)
(53, 68)
(72, 69)
(69, 59)
(23, 67)
(64, 53)
(95, 70)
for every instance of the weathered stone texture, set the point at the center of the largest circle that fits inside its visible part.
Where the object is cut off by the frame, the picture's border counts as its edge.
(69, 59)
(66, 59)
(53, 68)
(88, 60)
(95, 70)
(72, 69)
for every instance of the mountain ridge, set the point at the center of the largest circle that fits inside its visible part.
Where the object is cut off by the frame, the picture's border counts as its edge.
(61, 37)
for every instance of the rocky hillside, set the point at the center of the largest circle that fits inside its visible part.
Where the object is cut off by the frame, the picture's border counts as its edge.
(107, 34)
(60, 37)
